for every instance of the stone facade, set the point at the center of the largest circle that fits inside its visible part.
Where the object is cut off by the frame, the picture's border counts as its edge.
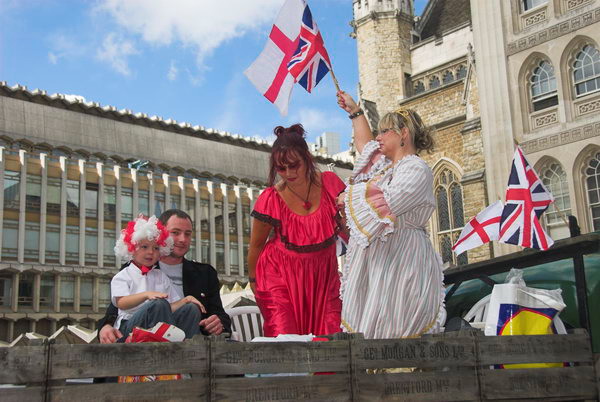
(450, 107)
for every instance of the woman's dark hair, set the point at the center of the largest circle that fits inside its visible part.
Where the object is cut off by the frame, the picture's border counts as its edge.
(289, 146)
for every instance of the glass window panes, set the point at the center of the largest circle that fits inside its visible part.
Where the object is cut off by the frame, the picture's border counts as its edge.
(109, 247)
(34, 192)
(47, 291)
(72, 197)
(204, 210)
(103, 293)
(586, 71)
(91, 200)
(110, 203)
(159, 203)
(127, 204)
(91, 246)
(450, 215)
(72, 244)
(32, 240)
(26, 289)
(11, 189)
(234, 259)
(232, 215)
(6, 289)
(592, 180)
(67, 292)
(86, 291)
(220, 252)
(52, 242)
(543, 86)
(53, 196)
(448, 77)
(461, 72)
(144, 202)
(434, 82)
(419, 87)
(9, 239)
(190, 207)
(529, 4)
(555, 180)
(219, 216)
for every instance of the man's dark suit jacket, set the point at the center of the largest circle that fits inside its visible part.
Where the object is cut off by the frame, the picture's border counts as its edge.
(199, 280)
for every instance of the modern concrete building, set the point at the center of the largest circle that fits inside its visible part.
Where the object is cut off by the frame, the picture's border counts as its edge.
(73, 173)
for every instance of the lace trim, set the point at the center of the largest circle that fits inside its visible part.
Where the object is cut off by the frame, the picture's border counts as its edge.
(266, 218)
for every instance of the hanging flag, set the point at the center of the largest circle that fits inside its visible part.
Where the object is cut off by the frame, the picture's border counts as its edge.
(482, 229)
(526, 200)
(295, 52)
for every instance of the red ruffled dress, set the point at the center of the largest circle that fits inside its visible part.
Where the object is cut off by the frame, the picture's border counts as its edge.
(297, 280)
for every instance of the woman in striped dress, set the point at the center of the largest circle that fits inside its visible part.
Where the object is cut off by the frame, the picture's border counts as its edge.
(392, 285)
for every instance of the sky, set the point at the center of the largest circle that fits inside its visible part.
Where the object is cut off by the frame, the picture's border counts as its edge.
(177, 59)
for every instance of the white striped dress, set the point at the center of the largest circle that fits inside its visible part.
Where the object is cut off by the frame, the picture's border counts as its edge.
(392, 284)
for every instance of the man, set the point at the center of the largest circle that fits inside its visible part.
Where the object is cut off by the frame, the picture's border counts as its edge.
(188, 277)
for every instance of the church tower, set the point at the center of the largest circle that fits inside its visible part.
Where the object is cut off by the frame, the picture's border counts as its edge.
(383, 30)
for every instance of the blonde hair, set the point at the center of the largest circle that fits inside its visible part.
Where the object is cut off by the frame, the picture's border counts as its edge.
(420, 134)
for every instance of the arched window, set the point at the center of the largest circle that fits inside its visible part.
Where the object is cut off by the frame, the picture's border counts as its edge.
(543, 86)
(592, 181)
(419, 87)
(555, 180)
(461, 72)
(448, 77)
(529, 4)
(434, 82)
(586, 71)
(450, 216)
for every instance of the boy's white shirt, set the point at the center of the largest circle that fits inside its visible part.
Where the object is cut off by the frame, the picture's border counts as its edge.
(130, 281)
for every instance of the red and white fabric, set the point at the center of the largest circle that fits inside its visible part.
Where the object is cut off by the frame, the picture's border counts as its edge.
(482, 229)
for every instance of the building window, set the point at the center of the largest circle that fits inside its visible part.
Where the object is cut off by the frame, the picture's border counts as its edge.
(73, 198)
(220, 253)
(144, 202)
(234, 259)
(5, 289)
(450, 216)
(47, 292)
(555, 180)
(72, 245)
(592, 180)
(110, 203)
(586, 71)
(91, 200)
(109, 247)
(32, 240)
(127, 204)
(67, 292)
(52, 242)
(543, 86)
(434, 82)
(159, 203)
(26, 290)
(461, 72)
(53, 196)
(529, 4)
(448, 77)
(10, 234)
(91, 246)
(11, 190)
(419, 87)
(86, 292)
(190, 207)
(103, 293)
(34, 192)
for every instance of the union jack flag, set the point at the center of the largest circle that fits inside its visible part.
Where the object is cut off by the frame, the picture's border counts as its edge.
(310, 62)
(526, 200)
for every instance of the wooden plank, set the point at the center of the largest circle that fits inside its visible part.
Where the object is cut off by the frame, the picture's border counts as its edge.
(279, 357)
(574, 382)
(289, 388)
(22, 364)
(436, 386)
(24, 394)
(534, 349)
(194, 389)
(81, 361)
(418, 352)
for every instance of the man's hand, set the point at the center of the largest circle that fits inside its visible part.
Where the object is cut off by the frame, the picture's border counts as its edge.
(212, 325)
(156, 295)
(109, 334)
(193, 300)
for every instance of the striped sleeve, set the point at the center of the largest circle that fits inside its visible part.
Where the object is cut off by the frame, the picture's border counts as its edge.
(411, 185)
(369, 216)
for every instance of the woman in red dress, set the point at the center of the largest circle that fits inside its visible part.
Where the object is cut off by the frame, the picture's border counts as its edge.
(294, 272)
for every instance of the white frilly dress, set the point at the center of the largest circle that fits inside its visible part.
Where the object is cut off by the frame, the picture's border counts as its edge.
(392, 283)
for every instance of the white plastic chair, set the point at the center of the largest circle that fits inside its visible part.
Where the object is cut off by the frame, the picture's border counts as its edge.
(246, 323)
(477, 316)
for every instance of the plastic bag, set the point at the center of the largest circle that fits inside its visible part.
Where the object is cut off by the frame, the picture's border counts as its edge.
(516, 309)
(161, 332)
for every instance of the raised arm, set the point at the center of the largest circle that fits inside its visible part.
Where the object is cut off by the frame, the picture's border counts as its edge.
(362, 131)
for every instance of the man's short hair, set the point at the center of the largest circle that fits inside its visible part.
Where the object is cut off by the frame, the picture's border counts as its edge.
(165, 216)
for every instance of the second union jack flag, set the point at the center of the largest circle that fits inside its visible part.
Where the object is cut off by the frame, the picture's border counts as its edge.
(310, 62)
(526, 200)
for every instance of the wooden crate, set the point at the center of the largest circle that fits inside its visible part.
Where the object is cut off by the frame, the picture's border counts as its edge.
(347, 368)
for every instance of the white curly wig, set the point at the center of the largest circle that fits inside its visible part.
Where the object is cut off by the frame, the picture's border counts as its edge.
(139, 229)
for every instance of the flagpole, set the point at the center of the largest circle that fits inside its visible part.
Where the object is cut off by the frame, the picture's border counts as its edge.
(335, 81)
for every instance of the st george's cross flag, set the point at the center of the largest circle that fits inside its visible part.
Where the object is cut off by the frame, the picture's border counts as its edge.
(526, 200)
(482, 229)
(294, 53)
